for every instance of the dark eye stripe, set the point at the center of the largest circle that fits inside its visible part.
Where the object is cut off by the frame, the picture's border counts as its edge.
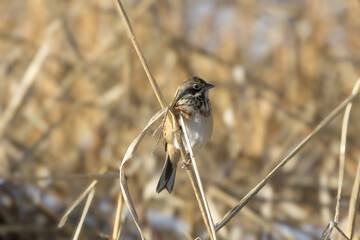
(192, 91)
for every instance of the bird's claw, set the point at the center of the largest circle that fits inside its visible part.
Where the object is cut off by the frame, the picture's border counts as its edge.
(186, 163)
(179, 132)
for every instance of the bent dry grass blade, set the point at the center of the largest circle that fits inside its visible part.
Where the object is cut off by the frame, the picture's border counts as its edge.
(128, 156)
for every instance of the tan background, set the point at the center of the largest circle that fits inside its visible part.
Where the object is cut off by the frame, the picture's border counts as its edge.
(279, 68)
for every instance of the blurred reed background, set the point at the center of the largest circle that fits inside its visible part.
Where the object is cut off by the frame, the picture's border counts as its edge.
(279, 68)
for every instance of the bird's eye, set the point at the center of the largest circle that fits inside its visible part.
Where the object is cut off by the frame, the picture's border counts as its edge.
(196, 87)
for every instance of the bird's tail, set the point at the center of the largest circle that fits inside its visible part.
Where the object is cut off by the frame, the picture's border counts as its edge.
(167, 178)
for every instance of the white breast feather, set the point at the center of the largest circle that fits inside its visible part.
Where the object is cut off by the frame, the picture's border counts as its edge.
(199, 130)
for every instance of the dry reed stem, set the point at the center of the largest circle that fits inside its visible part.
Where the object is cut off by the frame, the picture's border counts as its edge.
(328, 231)
(355, 192)
(341, 168)
(230, 200)
(21, 228)
(341, 232)
(28, 79)
(342, 153)
(354, 203)
(229, 215)
(83, 215)
(117, 221)
(197, 184)
(200, 197)
(67, 177)
(78, 200)
(132, 37)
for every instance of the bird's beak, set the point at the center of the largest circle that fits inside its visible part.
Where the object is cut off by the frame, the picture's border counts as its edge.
(208, 86)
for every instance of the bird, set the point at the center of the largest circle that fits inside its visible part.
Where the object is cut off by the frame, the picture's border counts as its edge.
(192, 101)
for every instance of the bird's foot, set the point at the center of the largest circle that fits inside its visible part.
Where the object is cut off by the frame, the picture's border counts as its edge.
(179, 132)
(186, 163)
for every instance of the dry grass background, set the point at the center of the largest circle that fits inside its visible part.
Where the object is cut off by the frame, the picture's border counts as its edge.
(279, 68)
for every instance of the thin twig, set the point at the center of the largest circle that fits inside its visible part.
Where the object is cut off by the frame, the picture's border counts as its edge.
(117, 221)
(229, 215)
(26, 229)
(203, 204)
(354, 203)
(342, 153)
(132, 37)
(341, 232)
(328, 231)
(83, 215)
(67, 177)
(76, 202)
(230, 200)
(341, 169)
(79, 199)
(191, 174)
(355, 192)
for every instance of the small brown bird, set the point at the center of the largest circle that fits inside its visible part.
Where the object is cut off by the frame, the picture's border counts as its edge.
(192, 101)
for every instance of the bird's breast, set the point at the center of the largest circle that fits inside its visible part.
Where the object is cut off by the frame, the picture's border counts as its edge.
(199, 130)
